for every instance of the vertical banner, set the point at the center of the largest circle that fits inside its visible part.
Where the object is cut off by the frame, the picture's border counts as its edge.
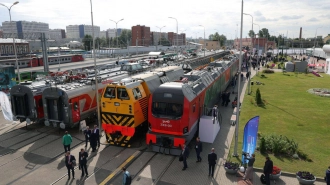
(5, 106)
(250, 137)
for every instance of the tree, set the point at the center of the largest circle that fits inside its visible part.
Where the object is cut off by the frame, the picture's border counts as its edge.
(265, 33)
(223, 39)
(164, 42)
(97, 42)
(261, 34)
(258, 97)
(211, 37)
(216, 37)
(251, 34)
(88, 41)
(125, 37)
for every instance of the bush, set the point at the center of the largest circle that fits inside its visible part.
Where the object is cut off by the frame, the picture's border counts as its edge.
(267, 71)
(279, 145)
(258, 97)
(262, 146)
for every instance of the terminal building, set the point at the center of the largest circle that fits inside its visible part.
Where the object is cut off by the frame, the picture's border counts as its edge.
(7, 47)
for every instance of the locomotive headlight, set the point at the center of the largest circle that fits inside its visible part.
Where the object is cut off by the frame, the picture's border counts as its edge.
(28, 121)
(185, 130)
(62, 125)
(47, 123)
(117, 104)
(103, 104)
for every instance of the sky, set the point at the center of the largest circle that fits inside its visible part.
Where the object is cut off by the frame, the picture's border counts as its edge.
(278, 16)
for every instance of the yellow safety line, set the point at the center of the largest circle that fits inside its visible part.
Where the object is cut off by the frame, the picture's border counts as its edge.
(119, 168)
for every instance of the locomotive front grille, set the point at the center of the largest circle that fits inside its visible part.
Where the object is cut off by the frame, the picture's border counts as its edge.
(21, 105)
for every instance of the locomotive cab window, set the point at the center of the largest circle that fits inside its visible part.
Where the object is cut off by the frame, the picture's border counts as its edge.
(167, 109)
(122, 94)
(110, 92)
(137, 93)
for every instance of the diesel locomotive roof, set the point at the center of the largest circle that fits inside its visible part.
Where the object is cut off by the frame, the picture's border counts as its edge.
(155, 78)
(195, 81)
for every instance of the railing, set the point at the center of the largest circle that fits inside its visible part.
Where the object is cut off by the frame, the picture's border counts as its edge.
(207, 111)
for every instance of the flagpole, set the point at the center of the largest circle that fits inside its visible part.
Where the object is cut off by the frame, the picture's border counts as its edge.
(239, 86)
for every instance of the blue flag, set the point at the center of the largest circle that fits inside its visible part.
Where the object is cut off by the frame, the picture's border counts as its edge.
(250, 137)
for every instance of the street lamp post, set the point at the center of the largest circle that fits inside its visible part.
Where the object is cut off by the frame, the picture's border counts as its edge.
(116, 28)
(258, 48)
(204, 40)
(160, 35)
(17, 66)
(248, 70)
(176, 33)
(314, 42)
(238, 87)
(96, 73)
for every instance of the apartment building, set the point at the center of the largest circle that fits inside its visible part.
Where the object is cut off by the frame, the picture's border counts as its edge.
(141, 36)
(24, 29)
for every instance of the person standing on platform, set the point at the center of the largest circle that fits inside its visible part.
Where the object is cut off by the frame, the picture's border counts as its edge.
(212, 159)
(199, 149)
(97, 135)
(327, 176)
(87, 134)
(249, 170)
(127, 179)
(223, 98)
(247, 75)
(93, 140)
(227, 98)
(66, 140)
(70, 161)
(83, 162)
(185, 154)
(268, 169)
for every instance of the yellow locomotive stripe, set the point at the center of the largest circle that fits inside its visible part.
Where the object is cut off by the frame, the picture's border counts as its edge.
(108, 120)
(118, 170)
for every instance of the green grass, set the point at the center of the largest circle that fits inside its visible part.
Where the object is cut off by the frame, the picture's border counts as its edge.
(291, 111)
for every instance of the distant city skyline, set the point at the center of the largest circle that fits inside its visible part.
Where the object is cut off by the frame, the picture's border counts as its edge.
(280, 17)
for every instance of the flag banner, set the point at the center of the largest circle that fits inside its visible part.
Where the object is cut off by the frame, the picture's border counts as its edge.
(250, 137)
(5, 106)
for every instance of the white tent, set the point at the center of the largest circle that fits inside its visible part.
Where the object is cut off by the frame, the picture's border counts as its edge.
(326, 49)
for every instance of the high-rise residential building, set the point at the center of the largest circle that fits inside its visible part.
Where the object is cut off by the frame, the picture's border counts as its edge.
(24, 29)
(141, 36)
(79, 31)
(177, 41)
(56, 34)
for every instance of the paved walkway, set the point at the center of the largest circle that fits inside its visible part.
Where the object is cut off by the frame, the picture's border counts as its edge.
(227, 179)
